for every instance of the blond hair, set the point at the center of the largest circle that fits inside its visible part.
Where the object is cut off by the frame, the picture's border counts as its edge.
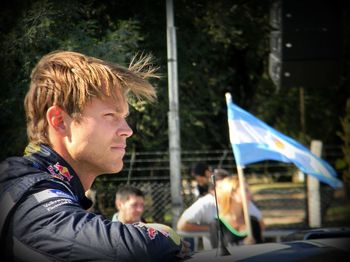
(228, 186)
(70, 80)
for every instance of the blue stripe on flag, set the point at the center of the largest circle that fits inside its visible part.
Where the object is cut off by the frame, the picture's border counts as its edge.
(253, 140)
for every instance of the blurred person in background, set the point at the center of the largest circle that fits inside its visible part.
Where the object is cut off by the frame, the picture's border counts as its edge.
(201, 172)
(202, 212)
(231, 216)
(91, 194)
(130, 203)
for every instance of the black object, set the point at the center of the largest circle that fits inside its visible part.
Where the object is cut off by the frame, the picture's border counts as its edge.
(319, 233)
(229, 237)
(305, 43)
(315, 250)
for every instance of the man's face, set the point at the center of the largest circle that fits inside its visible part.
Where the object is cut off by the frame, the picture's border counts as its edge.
(96, 143)
(202, 180)
(132, 209)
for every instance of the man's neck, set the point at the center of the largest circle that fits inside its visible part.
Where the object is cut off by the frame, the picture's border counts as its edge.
(123, 219)
(86, 177)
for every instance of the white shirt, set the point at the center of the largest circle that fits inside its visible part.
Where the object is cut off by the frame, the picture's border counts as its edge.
(203, 212)
(115, 217)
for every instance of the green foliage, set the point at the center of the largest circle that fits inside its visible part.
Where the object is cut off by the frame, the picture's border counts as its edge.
(222, 46)
(344, 163)
(41, 27)
(216, 54)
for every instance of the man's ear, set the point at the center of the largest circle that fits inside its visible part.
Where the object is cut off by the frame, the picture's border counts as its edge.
(118, 204)
(55, 118)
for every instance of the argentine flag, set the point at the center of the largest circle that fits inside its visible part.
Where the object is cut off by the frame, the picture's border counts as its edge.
(252, 141)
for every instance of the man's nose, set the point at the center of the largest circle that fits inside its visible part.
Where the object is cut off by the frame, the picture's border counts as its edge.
(125, 130)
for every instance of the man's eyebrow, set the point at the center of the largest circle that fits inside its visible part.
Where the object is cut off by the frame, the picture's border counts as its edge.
(119, 111)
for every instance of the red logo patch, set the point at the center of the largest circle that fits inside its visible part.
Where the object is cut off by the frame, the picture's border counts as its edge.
(60, 172)
(152, 232)
(64, 171)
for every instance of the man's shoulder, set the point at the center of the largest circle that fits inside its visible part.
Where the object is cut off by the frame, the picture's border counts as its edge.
(17, 175)
(15, 167)
(207, 199)
(20, 179)
(203, 203)
(14, 161)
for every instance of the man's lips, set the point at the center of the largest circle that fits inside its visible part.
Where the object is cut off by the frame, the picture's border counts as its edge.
(119, 147)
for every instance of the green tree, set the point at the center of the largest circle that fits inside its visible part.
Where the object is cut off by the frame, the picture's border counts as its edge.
(222, 46)
(34, 28)
(343, 163)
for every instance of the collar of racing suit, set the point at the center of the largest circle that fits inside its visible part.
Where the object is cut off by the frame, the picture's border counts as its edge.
(46, 159)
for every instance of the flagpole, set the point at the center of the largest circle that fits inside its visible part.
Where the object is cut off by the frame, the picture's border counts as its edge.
(244, 201)
(241, 181)
(252, 141)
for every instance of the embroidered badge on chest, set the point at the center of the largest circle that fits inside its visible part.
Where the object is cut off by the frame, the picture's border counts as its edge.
(53, 198)
(60, 172)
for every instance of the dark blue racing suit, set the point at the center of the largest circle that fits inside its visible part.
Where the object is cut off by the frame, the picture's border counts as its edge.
(43, 217)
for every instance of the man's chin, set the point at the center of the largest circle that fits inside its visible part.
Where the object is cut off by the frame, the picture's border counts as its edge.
(114, 170)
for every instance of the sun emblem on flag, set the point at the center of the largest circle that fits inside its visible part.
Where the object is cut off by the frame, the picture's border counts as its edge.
(278, 143)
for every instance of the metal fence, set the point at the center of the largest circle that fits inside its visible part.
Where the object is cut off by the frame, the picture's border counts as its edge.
(283, 205)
